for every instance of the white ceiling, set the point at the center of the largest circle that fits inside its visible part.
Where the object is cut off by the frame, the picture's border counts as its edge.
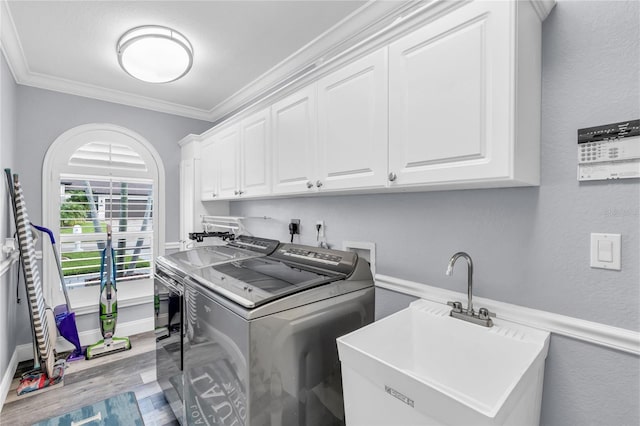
(241, 48)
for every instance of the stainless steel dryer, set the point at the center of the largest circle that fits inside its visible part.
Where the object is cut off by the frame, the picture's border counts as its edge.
(170, 274)
(260, 341)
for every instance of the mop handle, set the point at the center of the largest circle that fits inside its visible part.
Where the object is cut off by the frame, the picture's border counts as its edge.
(58, 264)
(108, 265)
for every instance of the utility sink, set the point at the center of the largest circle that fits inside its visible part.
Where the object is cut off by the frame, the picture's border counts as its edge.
(421, 366)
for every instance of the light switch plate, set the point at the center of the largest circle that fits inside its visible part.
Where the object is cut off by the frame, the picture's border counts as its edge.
(605, 251)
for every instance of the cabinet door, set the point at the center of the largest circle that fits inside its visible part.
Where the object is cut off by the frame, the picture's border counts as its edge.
(228, 143)
(449, 89)
(352, 111)
(208, 171)
(255, 164)
(294, 142)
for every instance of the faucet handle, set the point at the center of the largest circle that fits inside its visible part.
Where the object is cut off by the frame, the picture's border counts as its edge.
(457, 306)
(483, 313)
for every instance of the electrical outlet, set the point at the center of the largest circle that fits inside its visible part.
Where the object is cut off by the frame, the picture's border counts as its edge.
(320, 228)
(294, 226)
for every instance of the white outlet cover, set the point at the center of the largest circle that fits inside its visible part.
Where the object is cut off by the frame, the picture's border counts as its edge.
(605, 251)
(365, 249)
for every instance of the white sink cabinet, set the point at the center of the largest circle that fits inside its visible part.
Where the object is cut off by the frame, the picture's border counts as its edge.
(421, 366)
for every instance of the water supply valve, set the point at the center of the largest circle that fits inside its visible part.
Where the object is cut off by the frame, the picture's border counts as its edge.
(457, 306)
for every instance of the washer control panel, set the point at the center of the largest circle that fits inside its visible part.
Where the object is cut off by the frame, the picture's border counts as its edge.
(261, 245)
(330, 259)
(336, 261)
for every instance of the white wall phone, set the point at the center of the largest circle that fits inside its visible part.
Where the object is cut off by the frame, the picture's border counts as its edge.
(611, 151)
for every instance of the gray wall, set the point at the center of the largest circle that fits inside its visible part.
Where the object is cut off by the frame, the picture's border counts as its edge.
(43, 115)
(8, 306)
(530, 246)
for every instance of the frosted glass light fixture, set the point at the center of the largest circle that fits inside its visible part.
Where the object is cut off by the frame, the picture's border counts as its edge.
(155, 54)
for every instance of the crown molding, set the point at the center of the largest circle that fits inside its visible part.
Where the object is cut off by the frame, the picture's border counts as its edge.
(109, 95)
(367, 29)
(309, 59)
(360, 32)
(14, 54)
(543, 7)
(190, 138)
(10, 44)
(358, 23)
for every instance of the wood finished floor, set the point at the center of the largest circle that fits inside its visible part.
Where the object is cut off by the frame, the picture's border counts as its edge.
(87, 382)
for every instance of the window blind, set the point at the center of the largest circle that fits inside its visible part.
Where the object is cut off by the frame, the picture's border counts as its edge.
(107, 155)
(86, 207)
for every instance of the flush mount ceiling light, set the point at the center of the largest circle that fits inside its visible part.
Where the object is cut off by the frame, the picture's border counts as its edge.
(155, 54)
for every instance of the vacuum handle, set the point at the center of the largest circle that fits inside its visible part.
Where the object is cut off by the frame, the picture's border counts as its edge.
(47, 230)
(58, 262)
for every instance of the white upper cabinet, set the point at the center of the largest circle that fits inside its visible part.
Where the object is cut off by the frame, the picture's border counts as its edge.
(352, 125)
(235, 160)
(455, 88)
(227, 149)
(294, 142)
(449, 102)
(255, 155)
(209, 170)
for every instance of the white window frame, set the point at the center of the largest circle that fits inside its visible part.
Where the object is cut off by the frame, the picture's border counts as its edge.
(85, 299)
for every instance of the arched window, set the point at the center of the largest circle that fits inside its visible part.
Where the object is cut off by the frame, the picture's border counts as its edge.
(94, 175)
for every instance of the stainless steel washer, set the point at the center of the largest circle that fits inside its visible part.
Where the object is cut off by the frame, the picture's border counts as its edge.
(170, 274)
(259, 345)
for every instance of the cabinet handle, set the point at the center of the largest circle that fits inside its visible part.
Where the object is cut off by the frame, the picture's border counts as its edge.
(392, 177)
(235, 192)
(318, 183)
(309, 184)
(240, 192)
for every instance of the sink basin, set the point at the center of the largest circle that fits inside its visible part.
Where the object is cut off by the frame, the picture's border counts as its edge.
(421, 366)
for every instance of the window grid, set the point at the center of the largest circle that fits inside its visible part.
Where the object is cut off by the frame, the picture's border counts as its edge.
(86, 207)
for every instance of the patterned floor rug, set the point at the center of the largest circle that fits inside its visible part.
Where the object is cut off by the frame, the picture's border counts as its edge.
(118, 410)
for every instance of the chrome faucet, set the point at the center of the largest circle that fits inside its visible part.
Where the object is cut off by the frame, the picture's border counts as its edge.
(483, 316)
(449, 272)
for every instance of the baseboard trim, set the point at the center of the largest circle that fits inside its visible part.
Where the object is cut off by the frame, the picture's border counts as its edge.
(7, 378)
(599, 334)
(89, 337)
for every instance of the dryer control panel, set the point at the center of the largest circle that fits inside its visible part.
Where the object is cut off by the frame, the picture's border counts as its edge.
(336, 261)
(611, 151)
